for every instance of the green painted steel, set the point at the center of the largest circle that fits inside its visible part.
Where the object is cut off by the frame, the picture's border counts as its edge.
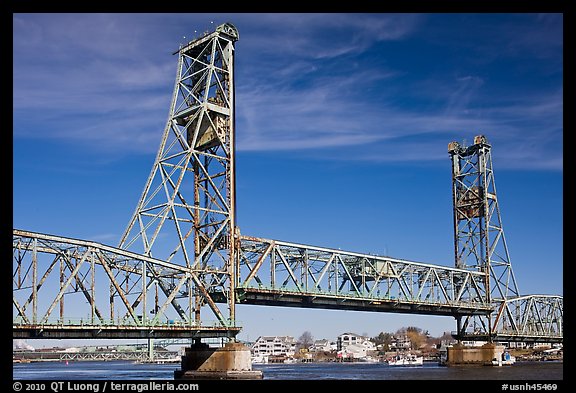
(182, 265)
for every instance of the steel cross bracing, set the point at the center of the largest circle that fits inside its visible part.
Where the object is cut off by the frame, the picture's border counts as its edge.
(182, 253)
(530, 318)
(98, 356)
(111, 292)
(186, 213)
(118, 293)
(479, 236)
(286, 274)
(480, 246)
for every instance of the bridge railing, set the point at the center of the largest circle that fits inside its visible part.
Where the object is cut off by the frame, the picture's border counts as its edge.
(106, 322)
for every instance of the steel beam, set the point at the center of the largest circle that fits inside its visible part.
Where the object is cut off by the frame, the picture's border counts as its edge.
(295, 275)
(99, 267)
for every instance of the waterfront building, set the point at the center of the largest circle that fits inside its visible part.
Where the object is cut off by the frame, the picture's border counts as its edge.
(354, 345)
(322, 346)
(515, 345)
(400, 343)
(274, 346)
(21, 345)
(346, 339)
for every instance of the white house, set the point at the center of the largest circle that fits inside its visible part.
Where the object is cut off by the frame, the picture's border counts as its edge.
(355, 344)
(346, 339)
(274, 345)
(400, 343)
(322, 346)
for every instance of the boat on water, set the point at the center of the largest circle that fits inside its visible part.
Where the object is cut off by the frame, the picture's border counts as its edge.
(160, 360)
(406, 360)
(369, 359)
(260, 359)
(505, 360)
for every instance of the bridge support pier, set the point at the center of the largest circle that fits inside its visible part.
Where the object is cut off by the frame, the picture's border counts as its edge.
(231, 361)
(459, 355)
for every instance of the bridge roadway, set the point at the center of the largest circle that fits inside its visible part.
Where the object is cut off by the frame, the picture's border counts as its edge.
(271, 273)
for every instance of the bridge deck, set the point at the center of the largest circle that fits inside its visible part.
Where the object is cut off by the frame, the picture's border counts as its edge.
(30, 331)
(285, 298)
(512, 337)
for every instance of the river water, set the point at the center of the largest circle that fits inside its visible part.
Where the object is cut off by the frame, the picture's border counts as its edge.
(125, 370)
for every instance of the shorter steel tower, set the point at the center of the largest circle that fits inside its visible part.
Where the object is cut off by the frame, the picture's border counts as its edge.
(479, 241)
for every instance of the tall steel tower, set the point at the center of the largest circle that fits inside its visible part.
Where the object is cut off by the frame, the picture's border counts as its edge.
(479, 241)
(186, 214)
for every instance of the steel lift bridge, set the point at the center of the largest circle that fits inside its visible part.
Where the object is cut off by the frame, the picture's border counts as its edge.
(182, 265)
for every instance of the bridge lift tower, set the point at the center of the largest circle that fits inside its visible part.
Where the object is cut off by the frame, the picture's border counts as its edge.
(480, 245)
(195, 158)
(479, 242)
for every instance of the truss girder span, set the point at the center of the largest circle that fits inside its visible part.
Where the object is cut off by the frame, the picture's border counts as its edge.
(287, 274)
(530, 318)
(69, 288)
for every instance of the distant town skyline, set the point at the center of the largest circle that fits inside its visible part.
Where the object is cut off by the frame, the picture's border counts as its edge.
(67, 343)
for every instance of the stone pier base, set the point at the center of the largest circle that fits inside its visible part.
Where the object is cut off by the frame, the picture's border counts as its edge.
(459, 355)
(229, 362)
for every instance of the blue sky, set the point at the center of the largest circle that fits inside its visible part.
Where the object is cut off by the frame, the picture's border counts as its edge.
(342, 120)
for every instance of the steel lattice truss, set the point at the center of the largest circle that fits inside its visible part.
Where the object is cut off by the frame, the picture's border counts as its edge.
(532, 317)
(111, 292)
(479, 236)
(480, 245)
(186, 212)
(182, 251)
(288, 274)
(537, 318)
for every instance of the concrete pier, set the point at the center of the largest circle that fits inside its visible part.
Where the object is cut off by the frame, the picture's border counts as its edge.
(231, 361)
(459, 355)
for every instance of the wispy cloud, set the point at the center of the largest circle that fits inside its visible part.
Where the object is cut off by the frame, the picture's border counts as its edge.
(319, 119)
(304, 81)
(106, 238)
(90, 83)
(322, 36)
(324, 114)
(460, 98)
